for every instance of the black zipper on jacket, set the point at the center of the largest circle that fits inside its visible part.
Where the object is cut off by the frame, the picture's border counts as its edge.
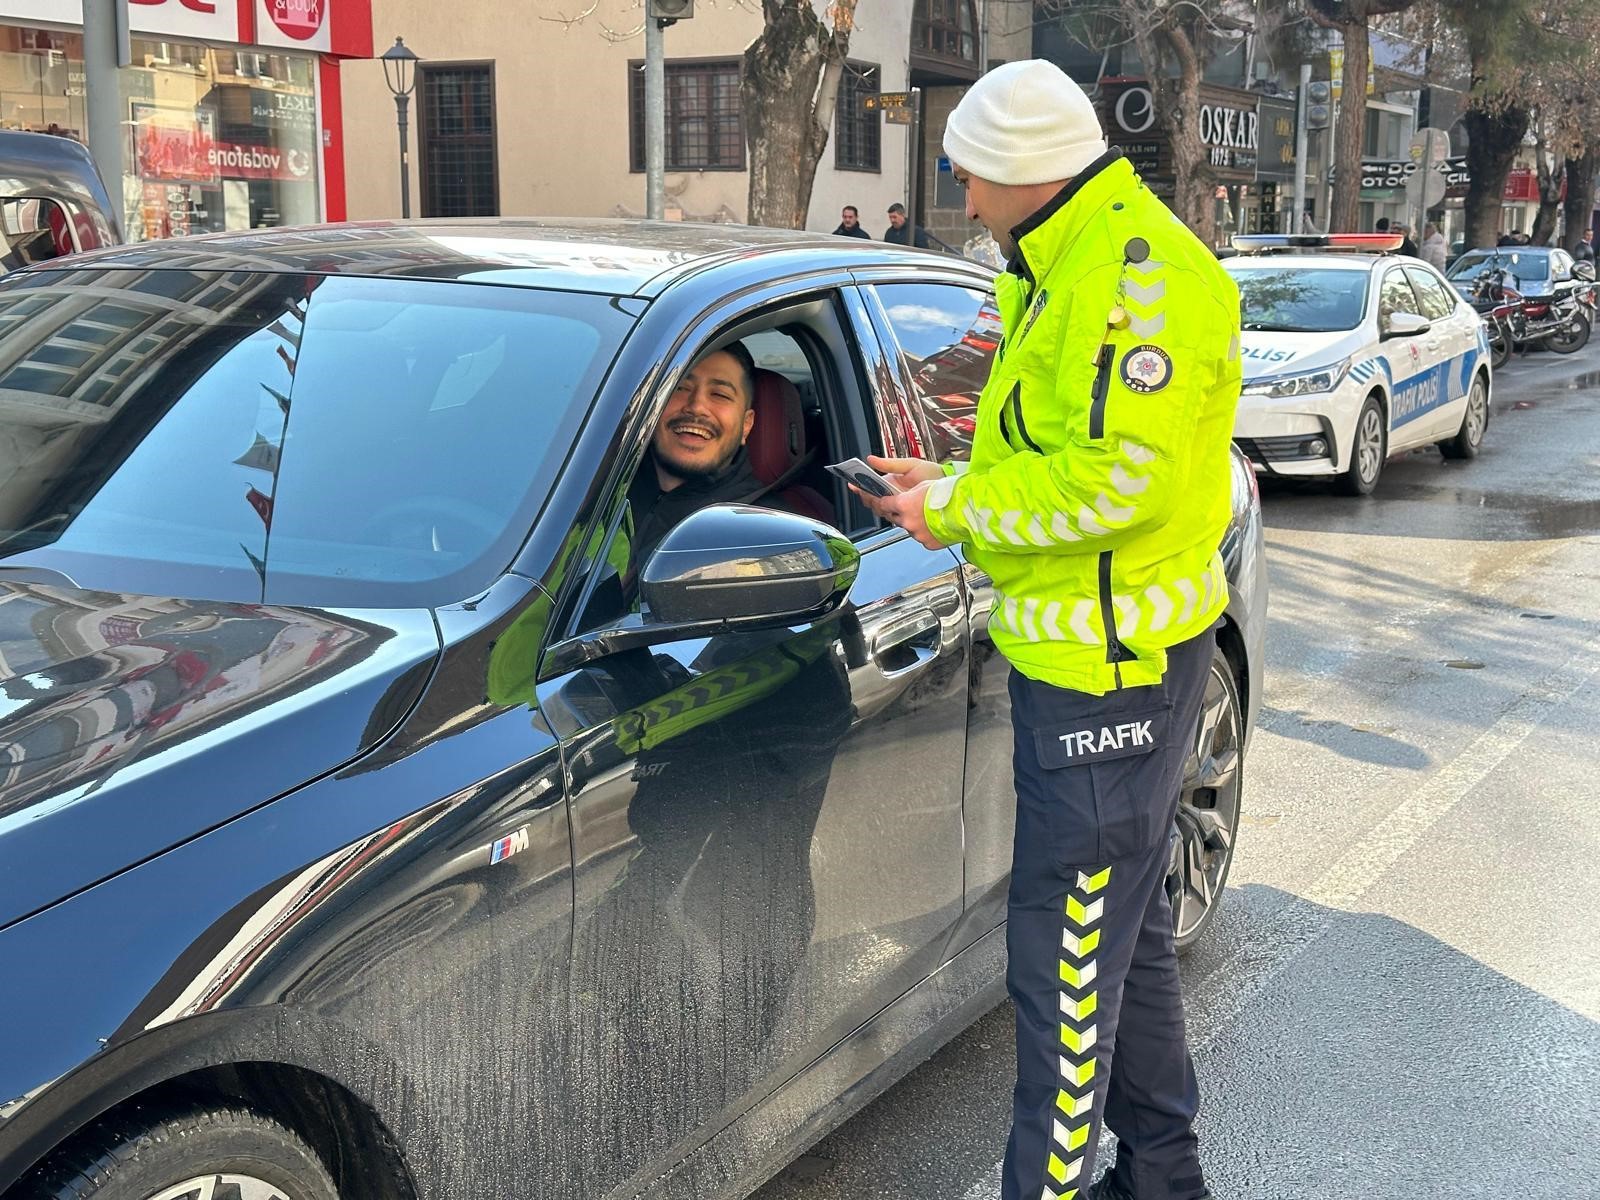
(1022, 426)
(1097, 395)
(1116, 652)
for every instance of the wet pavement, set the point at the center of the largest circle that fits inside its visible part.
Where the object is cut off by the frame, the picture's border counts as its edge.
(1401, 997)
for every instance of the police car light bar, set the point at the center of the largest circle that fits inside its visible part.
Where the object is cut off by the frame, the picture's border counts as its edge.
(1371, 243)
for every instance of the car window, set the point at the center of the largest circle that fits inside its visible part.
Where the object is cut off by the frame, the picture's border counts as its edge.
(947, 337)
(1438, 302)
(781, 465)
(1294, 299)
(1396, 296)
(1528, 269)
(294, 439)
(1560, 265)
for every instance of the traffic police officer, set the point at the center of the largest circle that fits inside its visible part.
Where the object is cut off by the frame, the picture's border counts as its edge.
(1096, 496)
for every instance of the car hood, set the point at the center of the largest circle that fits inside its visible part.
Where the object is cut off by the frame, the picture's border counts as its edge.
(1269, 354)
(129, 724)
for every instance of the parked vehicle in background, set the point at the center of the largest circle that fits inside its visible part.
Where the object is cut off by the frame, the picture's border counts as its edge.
(1352, 354)
(1551, 312)
(52, 200)
(374, 823)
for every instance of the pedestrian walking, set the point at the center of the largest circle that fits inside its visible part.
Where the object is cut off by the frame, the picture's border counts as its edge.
(1095, 499)
(1434, 250)
(1407, 246)
(850, 224)
(1585, 250)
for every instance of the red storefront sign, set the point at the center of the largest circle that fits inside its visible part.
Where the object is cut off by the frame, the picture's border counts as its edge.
(298, 19)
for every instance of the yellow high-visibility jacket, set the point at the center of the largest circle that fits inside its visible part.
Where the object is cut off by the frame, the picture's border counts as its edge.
(1099, 484)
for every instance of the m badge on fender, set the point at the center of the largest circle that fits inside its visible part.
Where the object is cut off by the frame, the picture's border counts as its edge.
(1146, 369)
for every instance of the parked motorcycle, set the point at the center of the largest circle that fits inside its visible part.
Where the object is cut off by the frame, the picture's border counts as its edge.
(1499, 305)
(1561, 323)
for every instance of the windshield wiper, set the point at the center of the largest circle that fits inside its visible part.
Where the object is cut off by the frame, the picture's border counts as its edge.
(1262, 327)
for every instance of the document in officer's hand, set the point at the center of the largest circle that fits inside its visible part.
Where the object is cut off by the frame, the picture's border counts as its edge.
(853, 470)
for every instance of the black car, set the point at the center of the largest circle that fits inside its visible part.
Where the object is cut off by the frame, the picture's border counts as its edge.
(362, 837)
(52, 200)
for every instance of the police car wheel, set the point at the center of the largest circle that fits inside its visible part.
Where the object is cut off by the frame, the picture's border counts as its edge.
(1208, 810)
(188, 1153)
(1368, 453)
(1469, 438)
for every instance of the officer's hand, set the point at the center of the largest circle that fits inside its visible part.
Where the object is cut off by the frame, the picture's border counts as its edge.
(905, 473)
(903, 509)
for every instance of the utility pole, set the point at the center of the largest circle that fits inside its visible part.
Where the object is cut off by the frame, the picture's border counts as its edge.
(913, 145)
(655, 118)
(1301, 149)
(105, 50)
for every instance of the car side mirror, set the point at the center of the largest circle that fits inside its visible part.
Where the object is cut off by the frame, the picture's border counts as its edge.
(1404, 324)
(732, 564)
(726, 567)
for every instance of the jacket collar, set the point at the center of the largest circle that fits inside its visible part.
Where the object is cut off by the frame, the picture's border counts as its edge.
(1042, 237)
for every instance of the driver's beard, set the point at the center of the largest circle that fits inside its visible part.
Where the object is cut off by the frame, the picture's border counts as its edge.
(684, 472)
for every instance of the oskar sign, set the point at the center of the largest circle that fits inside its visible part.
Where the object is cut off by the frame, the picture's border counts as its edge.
(1229, 127)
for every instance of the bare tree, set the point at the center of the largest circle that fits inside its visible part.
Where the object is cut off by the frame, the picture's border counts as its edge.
(1174, 39)
(1353, 20)
(790, 87)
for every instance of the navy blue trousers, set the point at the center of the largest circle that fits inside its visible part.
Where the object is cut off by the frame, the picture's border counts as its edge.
(1092, 969)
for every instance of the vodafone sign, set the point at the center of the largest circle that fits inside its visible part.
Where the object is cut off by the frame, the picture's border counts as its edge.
(296, 24)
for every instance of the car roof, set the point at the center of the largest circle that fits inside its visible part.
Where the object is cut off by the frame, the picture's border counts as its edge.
(609, 256)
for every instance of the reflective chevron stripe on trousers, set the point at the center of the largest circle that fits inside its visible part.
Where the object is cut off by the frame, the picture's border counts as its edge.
(1092, 969)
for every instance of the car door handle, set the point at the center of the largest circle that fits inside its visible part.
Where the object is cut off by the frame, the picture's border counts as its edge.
(905, 643)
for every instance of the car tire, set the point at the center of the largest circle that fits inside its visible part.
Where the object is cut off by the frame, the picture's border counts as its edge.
(1208, 809)
(223, 1153)
(1469, 438)
(1369, 450)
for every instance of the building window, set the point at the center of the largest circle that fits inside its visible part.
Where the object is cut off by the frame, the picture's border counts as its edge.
(705, 119)
(945, 29)
(460, 175)
(858, 134)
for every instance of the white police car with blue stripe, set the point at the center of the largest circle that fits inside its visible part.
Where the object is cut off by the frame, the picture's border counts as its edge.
(1350, 358)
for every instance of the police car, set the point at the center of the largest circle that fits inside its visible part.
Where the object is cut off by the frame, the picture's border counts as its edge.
(1351, 355)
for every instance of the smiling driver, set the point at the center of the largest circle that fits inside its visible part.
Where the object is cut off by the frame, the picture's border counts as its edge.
(698, 450)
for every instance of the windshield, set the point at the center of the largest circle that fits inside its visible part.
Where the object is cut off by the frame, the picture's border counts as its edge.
(1525, 267)
(279, 438)
(1301, 299)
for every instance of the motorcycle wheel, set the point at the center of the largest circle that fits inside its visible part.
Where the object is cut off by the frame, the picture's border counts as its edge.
(1572, 336)
(1499, 348)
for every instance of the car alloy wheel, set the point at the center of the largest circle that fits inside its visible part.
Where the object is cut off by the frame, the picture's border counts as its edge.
(1368, 452)
(1208, 809)
(223, 1187)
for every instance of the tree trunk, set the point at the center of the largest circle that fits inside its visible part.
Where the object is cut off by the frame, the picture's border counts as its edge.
(1491, 148)
(789, 87)
(1177, 102)
(1580, 196)
(1350, 134)
(1550, 180)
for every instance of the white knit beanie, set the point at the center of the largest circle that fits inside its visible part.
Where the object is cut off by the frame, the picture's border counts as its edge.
(1024, 122)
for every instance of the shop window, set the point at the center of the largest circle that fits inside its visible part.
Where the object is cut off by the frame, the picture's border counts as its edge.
(859, 134)
(705, 116)
(460, 172)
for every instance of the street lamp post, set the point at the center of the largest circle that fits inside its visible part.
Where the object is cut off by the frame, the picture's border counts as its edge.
(399, 72)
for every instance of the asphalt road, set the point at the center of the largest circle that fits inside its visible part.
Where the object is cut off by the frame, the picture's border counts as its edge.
(1401, 997)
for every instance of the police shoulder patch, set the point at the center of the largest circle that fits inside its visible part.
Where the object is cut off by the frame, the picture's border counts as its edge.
(1146, 368)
